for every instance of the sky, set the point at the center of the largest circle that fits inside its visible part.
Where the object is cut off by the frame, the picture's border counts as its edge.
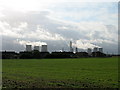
(57, 22)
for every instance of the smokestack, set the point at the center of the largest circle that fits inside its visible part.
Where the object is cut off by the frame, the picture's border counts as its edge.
(71, 49)
(62, 49)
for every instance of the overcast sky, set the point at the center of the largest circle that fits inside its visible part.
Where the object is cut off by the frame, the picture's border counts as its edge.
(55, 23)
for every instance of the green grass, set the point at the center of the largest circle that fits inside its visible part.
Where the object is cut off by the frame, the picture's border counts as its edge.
(80, 72)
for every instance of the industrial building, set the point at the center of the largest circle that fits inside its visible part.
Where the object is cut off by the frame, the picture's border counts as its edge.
(36, 48)
(71, 49)
(28, 48)
(76, 49)
(44, 48)
(89, 51)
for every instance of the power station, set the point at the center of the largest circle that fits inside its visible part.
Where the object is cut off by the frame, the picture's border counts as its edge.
(44, 49)
(44, 53)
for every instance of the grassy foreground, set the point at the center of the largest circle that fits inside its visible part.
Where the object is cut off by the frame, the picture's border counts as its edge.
(54, 73)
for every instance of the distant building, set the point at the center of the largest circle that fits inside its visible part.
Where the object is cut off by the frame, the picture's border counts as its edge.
(44, 48)
(89, 51)
(36, 48)
(95, 49)
(28, 48)
(101, 50)
(71, 49)
(76, 49)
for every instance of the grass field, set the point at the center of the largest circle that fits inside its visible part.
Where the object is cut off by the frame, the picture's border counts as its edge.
(54, 73)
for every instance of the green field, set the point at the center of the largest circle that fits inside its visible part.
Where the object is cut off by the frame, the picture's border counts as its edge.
(54, 73)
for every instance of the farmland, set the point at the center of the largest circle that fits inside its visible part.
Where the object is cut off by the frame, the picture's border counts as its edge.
(59, 73)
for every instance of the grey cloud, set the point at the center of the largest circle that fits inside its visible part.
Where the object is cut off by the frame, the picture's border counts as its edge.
(9, 44)
(39, 18)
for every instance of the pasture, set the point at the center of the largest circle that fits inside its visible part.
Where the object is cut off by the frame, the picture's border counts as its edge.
(60, 73)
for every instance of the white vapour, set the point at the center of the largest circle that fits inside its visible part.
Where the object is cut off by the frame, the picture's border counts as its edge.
(84, 45)
(38, 43)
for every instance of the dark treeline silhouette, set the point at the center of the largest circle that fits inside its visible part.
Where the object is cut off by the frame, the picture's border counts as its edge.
(61, 55)
(38, 55)
(34, 54)
(9, 55)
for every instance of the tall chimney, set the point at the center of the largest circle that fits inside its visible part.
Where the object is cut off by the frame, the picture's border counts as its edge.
(71, 46)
